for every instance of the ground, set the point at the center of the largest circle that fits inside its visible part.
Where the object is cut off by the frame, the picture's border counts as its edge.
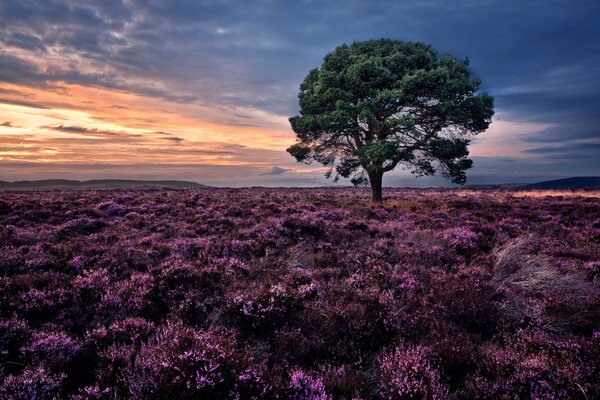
(299, 293)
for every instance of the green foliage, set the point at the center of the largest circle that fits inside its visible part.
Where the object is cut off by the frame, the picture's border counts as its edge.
(299, 151)
(379, 104)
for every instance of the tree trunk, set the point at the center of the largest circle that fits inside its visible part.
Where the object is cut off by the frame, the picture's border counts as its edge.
(376, 180)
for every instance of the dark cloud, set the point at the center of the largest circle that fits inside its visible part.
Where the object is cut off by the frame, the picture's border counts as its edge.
(169, 137)
(538, 58)
(23, 41)
(31, 104)
(579, 152)
(275, 170)
(173, 139)
(17, 70)
(8, 124)
(190, 151)
(80, 130)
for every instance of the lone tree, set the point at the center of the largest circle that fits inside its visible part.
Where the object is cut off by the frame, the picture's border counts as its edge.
(379, 104)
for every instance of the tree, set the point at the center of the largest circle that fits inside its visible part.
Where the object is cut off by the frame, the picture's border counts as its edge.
(379, 104)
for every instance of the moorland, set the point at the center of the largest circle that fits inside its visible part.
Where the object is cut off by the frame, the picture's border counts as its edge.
(299, 293)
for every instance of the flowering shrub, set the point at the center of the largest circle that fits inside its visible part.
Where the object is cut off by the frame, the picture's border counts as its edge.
(533, 364)
(111, 208)
(183, 362)
(55, 349)
(14, 333)
(298, 293)
(408, 373)
(306, 387)
(31, 384)
(80, 226)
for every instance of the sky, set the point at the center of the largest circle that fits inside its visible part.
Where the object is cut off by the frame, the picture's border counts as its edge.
(202, 90)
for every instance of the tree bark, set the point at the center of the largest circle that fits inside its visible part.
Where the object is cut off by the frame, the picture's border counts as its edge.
(376, 180)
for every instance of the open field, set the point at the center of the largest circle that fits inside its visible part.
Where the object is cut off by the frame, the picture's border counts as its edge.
(299, 293)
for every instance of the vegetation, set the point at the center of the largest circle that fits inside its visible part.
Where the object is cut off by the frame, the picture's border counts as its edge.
(298, 293)
(376, 105)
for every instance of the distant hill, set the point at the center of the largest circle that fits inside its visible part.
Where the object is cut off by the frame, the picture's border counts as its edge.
(495, 185)
(581, 182)
(100, 184)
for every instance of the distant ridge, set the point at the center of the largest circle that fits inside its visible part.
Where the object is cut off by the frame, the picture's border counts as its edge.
(98, 184)
(495, 186)
(580, 182)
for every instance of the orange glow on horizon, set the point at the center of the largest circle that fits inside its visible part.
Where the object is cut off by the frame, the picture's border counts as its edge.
(73, 123)
(62, 126)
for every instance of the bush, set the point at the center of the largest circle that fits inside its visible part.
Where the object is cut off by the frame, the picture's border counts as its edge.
(298, 293)
(409, 372)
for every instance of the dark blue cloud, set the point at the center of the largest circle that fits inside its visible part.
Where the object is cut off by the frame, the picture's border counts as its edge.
(275, 170)
(539, 58)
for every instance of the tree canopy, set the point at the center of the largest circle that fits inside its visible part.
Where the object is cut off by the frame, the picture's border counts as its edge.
(376, 105)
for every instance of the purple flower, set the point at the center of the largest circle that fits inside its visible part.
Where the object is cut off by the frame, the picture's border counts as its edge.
(307, 387)
(409, 372)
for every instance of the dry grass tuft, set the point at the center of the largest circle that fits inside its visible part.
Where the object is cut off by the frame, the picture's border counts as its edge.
(530, 285)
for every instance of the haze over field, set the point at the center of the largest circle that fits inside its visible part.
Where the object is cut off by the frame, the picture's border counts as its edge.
(202, 91)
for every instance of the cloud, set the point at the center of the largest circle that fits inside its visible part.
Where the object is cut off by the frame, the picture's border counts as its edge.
(275, 170)
(581, 152)
(90, 131)
(245, 61)
(173, 139)
(9, 124)
(30, 104)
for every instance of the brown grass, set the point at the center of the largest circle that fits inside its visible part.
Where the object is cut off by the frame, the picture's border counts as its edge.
(529, 285)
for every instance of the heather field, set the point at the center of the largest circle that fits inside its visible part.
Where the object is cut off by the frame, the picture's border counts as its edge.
(299, 294)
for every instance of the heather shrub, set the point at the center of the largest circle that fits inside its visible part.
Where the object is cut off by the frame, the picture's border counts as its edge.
(263, 310)
(78, 263)
(55, 349)
(260, 293)
(457, 353)
(409, 371)
(91, 285)
(111, 208)
(14, 333)
(593, 270)
(179, 362)
(96, 393)
(531, 364)
(4, 207)
(82, 226)
(114, 364)
(129, 297)
(305, 386)
(463, 239)
(42, 304)
(37, 258)
(131, 331)
(192, 291)
(32, 383)
(11, 260)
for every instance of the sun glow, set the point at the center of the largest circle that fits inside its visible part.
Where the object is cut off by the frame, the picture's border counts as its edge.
(73, 123)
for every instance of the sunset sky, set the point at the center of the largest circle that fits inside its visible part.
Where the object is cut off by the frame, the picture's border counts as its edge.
(202, 90)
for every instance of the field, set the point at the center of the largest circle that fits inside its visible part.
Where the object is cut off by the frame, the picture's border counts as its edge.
(300, 294)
